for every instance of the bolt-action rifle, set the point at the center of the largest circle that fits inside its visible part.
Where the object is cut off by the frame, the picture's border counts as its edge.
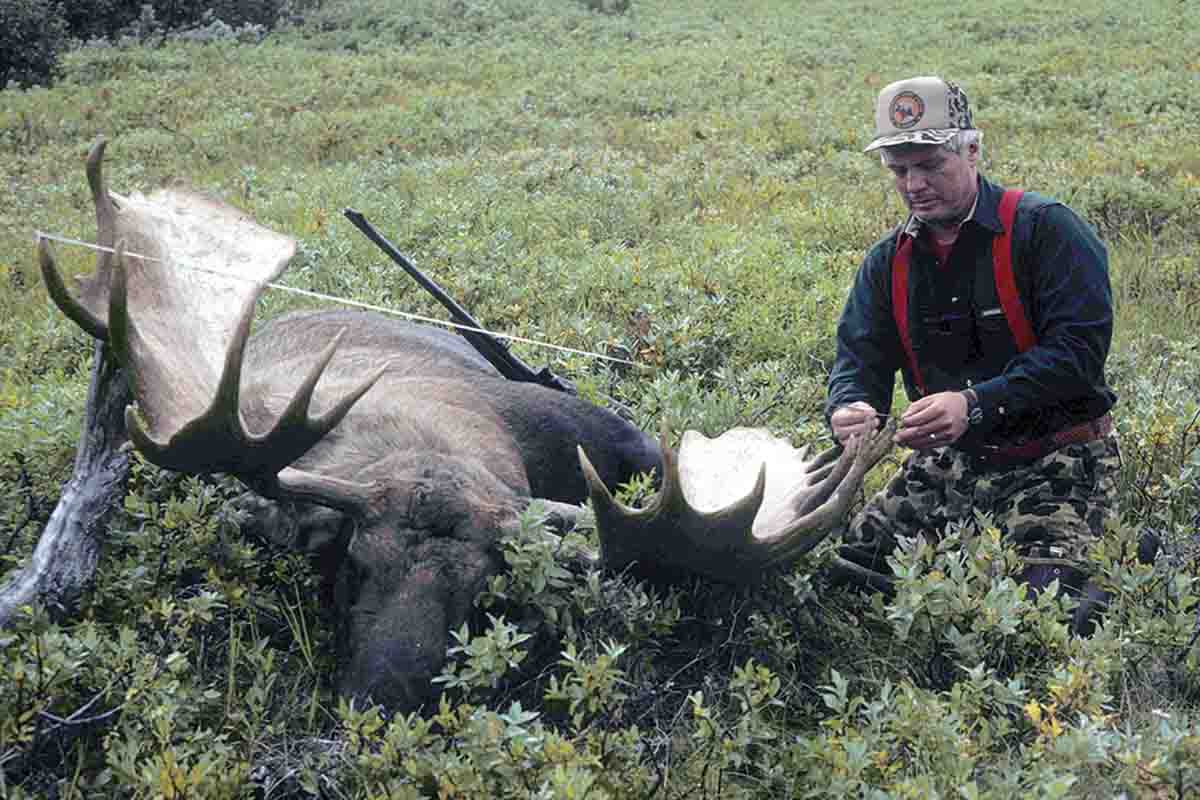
(489, 346)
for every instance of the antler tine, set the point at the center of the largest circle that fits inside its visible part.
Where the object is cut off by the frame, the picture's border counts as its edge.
(295, 432)
(219, 440)
(86, 308)
(738, 543)
(669, 534)
(105, 210)
(296, 414)
(821, 466)
(826, 507)
(835, 464)
(121, 331)
(62, 296)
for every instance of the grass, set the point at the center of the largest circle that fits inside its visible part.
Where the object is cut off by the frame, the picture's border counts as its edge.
(681, 182)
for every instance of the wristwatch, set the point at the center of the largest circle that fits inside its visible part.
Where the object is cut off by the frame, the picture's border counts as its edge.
(974, 412)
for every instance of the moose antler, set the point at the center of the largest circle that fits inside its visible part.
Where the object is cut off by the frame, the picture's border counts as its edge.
(792, 504)
(178, 255)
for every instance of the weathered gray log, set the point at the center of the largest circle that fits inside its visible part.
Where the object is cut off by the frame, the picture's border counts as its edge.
(64, 561)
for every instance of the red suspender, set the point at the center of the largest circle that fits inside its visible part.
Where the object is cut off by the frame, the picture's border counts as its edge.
(1006, 284)
(900, 305)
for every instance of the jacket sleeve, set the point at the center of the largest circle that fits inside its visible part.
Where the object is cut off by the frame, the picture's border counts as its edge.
(868, 347)
(1071, 313)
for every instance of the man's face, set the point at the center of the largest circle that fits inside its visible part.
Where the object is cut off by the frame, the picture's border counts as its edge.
(938, 186)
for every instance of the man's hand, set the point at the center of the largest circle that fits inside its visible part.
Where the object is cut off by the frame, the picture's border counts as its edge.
(855, 419)
(933, 421)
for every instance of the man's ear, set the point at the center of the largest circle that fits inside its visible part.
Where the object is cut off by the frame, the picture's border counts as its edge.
(973, 153)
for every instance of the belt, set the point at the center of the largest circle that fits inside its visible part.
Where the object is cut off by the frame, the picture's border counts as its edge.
(1011, 455)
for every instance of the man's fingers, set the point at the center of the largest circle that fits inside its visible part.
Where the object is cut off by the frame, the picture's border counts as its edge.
(854, 414)
(844, 434)
(919, 416)
(856, 419)
(925, 436)
(864, 427)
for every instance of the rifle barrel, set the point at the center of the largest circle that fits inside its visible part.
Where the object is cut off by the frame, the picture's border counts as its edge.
(459, 313)
(490, 347)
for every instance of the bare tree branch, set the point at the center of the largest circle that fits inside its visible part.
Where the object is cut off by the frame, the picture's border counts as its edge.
(65, 559)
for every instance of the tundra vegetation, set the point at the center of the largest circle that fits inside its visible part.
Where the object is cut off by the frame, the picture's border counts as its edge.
(679, 184)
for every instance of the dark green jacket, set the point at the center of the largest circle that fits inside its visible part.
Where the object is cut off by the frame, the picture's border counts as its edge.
(961, 339)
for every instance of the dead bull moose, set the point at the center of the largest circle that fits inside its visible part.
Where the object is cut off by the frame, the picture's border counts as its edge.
(409, 433)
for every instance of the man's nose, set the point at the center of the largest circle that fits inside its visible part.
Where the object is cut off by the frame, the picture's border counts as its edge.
(913, 181)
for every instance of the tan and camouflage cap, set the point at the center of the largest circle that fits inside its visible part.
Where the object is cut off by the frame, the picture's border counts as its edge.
(925, 110)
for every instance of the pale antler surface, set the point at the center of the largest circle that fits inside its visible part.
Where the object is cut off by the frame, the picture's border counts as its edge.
(176, 301)
(732, 507)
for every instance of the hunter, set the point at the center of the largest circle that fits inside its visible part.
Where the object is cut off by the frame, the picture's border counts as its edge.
(995, 306)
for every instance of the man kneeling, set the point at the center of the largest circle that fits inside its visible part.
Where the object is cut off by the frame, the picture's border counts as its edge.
(995, 305)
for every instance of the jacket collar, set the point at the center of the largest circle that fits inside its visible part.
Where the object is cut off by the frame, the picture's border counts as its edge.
(985, 211)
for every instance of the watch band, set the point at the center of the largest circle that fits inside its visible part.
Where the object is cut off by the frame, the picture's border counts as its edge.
(974, 410)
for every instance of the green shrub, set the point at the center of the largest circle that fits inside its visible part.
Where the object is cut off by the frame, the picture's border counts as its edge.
(1160, 446)
(679, 185)
(104, 19)
(32, 35)
(98, 19)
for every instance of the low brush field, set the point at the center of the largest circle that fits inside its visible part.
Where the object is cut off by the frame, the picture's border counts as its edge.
(681, 185)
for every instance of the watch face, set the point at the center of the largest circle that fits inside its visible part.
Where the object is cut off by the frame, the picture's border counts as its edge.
(975, 415)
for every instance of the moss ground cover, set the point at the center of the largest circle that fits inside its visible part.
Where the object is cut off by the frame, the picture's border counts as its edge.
(680, 183)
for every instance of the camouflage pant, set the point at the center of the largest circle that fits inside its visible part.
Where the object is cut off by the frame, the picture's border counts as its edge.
(1050, 509)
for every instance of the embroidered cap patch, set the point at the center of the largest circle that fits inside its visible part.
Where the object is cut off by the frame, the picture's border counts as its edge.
(906, 110)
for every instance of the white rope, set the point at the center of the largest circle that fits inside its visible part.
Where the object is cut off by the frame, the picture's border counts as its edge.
(344, 301)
